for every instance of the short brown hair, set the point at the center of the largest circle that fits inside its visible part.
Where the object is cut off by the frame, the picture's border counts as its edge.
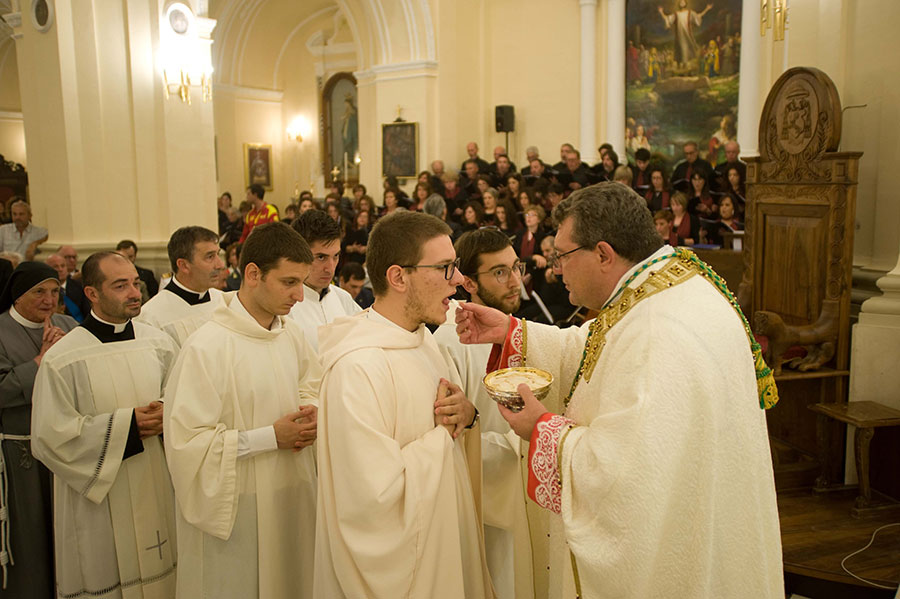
(398, 238)
(613, 213)
(268, 244)
(472, 244)
(665, 215)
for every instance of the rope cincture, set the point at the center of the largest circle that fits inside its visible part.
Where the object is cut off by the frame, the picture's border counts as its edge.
(6, 557)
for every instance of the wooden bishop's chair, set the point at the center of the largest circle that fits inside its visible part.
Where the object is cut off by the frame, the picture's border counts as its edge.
(798, 251)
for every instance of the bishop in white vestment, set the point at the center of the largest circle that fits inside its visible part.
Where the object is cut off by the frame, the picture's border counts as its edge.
(665, 490)
(113, 506)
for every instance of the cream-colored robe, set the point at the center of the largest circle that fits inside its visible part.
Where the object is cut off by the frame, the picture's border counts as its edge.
(398, 517)
(667, 483)
(171, 314)
(114, 519)
(315, 311)
(245, 526)
(516, 531)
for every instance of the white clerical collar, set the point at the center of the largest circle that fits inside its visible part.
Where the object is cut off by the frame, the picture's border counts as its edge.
(238, 307)
(189, 290)
(117, 327)
(665, 250)
(24, 321)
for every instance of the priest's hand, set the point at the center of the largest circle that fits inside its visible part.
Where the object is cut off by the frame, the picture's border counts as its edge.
(480, 324)
(452, 409)
(523, 422)
(308, 427)
(149, 419)
(292, 430)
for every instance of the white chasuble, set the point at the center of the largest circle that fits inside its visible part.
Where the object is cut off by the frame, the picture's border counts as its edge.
(399, 499)
(114, 519)
(246, 525)
(170, 313)
(517, 531)
(660, 467)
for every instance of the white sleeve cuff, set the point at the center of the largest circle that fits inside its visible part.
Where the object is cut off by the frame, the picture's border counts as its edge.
(256, 441)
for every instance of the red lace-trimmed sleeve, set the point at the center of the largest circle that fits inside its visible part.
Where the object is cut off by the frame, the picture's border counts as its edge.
(512, 352)
(544, 481)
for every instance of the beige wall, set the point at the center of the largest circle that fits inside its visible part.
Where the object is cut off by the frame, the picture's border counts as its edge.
(12, 127)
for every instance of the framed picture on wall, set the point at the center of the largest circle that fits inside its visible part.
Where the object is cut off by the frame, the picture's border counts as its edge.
(258, 165)
(341, 122)
(399, 150)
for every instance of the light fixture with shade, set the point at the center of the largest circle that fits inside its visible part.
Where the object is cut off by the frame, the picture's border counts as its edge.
(184, 52)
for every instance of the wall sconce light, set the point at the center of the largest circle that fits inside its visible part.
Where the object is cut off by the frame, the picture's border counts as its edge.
(184, 51)
(297, 128)
(773, 15)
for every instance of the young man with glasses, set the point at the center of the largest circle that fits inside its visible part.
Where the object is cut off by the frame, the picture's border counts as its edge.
(515, 533)
(399, 473)
(664, 490)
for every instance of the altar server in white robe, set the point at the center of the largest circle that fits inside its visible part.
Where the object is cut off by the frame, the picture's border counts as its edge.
(189, 299)
(665, 490)
(322, 301)
(399, 474)
(240, 417)
(516, 532)
(96, 425)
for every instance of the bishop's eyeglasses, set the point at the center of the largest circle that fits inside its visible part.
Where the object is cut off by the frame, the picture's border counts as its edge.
(556, 259)
(449, 268)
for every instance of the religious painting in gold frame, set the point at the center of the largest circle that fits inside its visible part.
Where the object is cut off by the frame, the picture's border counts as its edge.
(400, 150)
(258, 165)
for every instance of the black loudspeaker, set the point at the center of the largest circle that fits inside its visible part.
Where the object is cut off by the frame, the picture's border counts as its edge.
(506, 118)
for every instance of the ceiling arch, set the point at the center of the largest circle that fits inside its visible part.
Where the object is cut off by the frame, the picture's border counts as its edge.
(251, 36)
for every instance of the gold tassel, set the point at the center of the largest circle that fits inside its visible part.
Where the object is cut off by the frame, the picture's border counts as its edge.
(765, 380)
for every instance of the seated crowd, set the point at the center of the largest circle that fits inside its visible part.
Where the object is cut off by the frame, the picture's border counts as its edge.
(692, 203)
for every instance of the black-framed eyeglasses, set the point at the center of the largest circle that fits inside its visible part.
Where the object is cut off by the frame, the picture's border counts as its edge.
(556, 260)
(503, 272)
(449, 268)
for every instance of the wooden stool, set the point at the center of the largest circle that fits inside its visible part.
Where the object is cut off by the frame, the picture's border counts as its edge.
(866, 416)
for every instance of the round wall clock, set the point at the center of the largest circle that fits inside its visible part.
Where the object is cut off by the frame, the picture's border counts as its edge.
(42, 14)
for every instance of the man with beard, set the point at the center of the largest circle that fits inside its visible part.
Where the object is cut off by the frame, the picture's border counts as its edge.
(97, 421)
(189, 299)
(399, 474)
(515, 533)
